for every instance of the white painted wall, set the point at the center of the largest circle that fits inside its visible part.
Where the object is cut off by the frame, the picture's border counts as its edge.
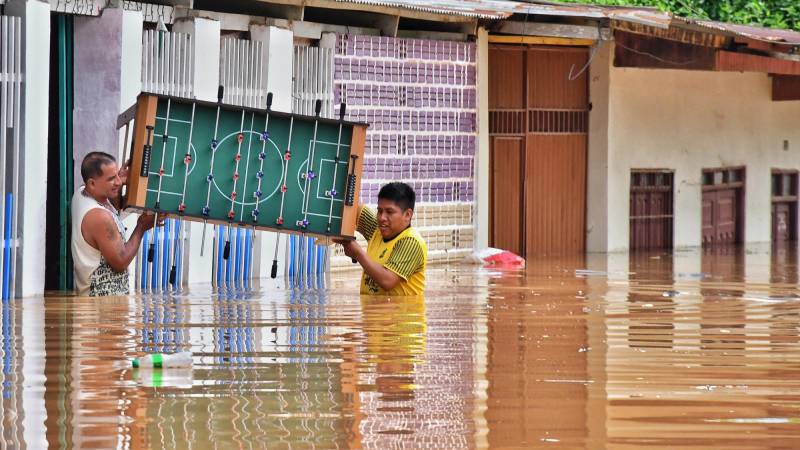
(687, 121)
(31, 206)
(482, 158)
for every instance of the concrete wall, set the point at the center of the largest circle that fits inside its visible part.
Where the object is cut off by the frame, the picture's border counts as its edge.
(107, 59)
(686, 121)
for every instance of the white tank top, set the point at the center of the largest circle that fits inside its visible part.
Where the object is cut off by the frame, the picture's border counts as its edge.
(93, 276)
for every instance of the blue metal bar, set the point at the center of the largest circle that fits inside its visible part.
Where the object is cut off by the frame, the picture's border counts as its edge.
(143, 259)
(221, 269)
(248, 256)
(237, 258)
(7, 242)
(8, 355)
(179, 260)
(228, 270)
(153, 282)
(165, 248)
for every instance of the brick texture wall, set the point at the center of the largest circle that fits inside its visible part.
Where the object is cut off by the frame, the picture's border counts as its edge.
(419, 97)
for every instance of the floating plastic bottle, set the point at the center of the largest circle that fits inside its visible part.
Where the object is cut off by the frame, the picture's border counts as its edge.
(163, 361)
(181, 378)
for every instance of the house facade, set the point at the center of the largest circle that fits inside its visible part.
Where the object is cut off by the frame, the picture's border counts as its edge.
(536, 128)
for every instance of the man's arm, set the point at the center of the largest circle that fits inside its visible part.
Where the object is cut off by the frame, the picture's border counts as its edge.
(385, 278)
(367, 223)
(100, 231)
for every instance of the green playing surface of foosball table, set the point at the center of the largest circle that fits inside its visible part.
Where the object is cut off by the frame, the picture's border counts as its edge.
(228, 164)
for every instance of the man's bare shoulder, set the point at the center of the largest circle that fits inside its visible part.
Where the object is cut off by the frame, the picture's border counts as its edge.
(98, 225)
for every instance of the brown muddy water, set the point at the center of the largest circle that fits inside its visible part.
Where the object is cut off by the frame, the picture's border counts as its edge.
(657, 351)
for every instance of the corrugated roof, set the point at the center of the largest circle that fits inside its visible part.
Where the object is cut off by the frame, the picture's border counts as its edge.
(772, 35)
(503, 9)
(481, 9)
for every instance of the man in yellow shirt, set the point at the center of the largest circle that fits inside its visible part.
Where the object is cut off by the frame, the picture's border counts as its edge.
(395, 258)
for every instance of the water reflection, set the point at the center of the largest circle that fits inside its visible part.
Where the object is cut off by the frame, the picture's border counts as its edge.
(614, 351)
(537, 361)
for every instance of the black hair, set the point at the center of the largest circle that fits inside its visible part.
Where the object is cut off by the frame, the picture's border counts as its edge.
(400, 193)
(92, 165)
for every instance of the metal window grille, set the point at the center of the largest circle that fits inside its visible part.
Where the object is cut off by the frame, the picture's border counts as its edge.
(241, 72)
(167, 63)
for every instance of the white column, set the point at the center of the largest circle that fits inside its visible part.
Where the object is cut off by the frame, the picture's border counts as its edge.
(278, 58)
(205, 80)
(278, 47)
(482, 156)
(598, 153)
(206, 42)
(130, 86)
(33, 155)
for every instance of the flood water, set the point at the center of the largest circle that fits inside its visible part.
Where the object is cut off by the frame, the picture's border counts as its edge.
(698, 350)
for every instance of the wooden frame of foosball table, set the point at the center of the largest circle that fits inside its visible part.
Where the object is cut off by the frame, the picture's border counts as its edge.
(145, 115)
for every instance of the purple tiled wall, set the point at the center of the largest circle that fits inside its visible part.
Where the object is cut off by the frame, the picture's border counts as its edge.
(419, 97)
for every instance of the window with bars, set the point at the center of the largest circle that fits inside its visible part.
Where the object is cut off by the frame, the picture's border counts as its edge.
(723, 178)
(784, 184)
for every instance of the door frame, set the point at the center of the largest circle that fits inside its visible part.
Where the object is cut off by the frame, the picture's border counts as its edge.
(526, 131)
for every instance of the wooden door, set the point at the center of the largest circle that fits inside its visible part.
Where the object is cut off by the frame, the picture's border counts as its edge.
(720, 217)
(507, 156)
(725, 216)
(651, 211)
(784, 205)
(723, 208)
(507, 147)
(781, 222)
(538, 112)
(555, 166)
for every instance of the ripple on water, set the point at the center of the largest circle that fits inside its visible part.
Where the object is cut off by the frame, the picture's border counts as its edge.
(695, 349)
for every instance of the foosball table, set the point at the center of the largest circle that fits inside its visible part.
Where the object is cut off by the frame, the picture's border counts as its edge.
(238, 166)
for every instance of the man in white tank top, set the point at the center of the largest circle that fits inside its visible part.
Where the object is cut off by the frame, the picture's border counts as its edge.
(100, 254)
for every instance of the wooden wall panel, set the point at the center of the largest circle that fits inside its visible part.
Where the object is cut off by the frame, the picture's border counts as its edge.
(549, 85)
(631, 50)
(742, 62)
(785, 87)
(555, 194)
(506, 221)
(506, 77)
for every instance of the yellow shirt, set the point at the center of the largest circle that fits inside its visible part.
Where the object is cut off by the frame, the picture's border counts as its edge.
(406, 255)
